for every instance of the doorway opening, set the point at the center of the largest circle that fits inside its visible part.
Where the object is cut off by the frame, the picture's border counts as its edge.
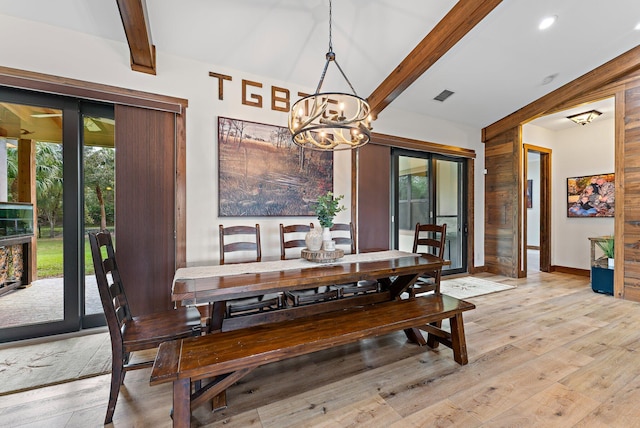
(537, 210)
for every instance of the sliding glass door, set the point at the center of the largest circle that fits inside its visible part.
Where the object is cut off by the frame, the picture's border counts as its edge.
(429, 188)
(41, 154)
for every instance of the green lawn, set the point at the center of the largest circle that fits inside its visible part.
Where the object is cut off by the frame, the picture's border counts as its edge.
(50, 260)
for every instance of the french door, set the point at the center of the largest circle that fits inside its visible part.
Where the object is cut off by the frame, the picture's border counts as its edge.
(42, 143)
(430, 188)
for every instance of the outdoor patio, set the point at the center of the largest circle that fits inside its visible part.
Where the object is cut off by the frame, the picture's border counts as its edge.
(43, 302)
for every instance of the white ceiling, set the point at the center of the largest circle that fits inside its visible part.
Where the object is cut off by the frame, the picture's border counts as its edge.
(499, 67)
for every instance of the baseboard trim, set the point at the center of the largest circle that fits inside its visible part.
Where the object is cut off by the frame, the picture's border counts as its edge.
(477, 269)
(572, 271)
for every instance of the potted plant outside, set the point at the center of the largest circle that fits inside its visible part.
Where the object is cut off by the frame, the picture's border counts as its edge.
(607, 247)
(326, 208)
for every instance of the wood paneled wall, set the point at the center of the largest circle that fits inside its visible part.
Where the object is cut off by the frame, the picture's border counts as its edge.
(502, 192)
(628, 206)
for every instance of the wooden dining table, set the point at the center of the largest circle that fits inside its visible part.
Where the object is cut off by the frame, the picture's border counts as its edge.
(216, 284)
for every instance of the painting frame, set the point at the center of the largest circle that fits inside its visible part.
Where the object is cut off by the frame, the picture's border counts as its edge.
(262, 173)
(591, 196)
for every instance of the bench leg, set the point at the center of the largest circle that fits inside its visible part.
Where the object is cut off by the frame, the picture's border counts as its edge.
(182, 403)
(458, 341)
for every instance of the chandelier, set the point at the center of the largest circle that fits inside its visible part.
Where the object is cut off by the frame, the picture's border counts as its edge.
(330, 120)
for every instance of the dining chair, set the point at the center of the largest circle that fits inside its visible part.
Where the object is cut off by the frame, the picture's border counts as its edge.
(131, 333)
(245, 240)
(342, 234)
(292, 238)
(429, 239)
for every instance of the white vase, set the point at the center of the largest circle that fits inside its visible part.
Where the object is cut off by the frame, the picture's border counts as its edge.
(327, 242)
(313, 239)
(610, 263)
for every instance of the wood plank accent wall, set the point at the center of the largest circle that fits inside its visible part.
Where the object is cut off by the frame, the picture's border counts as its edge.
(502, 194)
(630, 207)
(145, 206)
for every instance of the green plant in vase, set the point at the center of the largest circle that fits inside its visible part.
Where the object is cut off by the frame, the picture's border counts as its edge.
(326, 207)
(607, 247)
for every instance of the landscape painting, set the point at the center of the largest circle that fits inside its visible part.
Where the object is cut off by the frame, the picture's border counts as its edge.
(591, 196)
(261, 172)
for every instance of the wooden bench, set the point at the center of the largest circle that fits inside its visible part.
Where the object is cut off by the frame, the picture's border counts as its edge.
(226, 357)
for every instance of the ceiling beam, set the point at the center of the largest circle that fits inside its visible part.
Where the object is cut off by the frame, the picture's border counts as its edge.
(134, 20)
(462, 17)
(618, 67)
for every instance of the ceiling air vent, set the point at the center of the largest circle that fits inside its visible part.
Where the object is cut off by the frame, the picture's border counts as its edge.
(444, 95)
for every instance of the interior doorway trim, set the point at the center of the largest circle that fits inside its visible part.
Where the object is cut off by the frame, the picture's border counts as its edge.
(545, 207)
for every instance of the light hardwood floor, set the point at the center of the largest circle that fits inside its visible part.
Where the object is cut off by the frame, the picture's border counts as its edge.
(550, 353)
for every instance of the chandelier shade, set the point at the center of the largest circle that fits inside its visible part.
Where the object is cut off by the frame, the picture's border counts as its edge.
(330, 120)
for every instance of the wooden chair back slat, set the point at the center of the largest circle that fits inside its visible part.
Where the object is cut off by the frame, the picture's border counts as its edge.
(114, 300)
(286, 231)
(430, 239)
(344, 237)
(247, 245)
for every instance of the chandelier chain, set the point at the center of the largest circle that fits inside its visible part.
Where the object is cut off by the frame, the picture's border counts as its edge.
(330, 19)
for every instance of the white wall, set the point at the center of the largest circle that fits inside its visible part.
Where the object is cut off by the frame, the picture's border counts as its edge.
(41, 48)
(576, 151)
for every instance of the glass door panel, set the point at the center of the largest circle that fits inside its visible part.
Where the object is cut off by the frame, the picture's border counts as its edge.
(40, 166)
(31, 177)
(413, 194)
(449, 209)
(99, 195)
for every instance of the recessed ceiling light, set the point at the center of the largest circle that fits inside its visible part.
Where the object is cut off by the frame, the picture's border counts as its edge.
(637, 27)
(547, 22)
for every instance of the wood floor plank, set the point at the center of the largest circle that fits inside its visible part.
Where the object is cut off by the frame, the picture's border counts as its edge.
(548, 338)
(498, 394)
(555, 407)
(373, 411)
(409, 398)
(441, 414)
(618, 411)
(599, 379)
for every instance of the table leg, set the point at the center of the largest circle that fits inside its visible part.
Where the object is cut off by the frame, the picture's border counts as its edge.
(414, 335)
(217, 316)
(182, 403)
(401, 284)
(219, 402)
